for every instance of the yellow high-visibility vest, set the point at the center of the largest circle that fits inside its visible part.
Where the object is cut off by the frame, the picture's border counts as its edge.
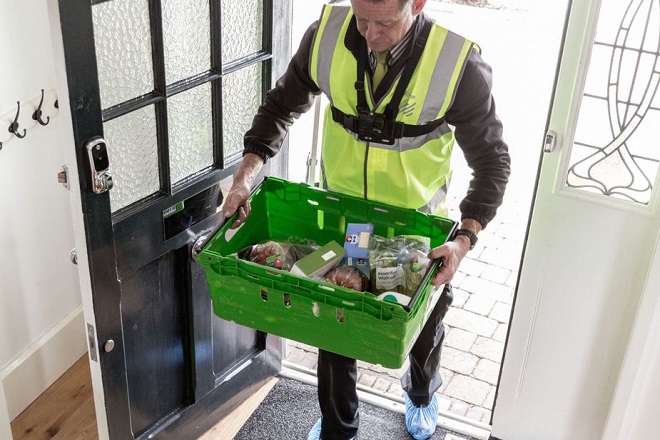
(414, 171)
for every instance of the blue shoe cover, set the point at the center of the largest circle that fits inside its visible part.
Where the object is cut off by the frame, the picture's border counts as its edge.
(315, 432)
(421, 422)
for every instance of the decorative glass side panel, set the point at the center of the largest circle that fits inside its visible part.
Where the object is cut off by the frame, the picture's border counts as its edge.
(190, 120)
(123, 50)
(242, 28)
(615, 152)
(187, 38)
(241, 96)
(133, 155)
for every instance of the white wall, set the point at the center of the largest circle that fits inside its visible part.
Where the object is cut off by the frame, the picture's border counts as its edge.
(41, 327)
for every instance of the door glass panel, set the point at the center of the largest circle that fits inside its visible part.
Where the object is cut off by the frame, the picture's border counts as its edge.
(242, 28)
(615, 148)
(187, 38)
(123, 50)
(133, 155)
(241, 96)
(190, 123)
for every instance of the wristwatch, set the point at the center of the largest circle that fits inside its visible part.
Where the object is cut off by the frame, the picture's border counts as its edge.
(469, 234)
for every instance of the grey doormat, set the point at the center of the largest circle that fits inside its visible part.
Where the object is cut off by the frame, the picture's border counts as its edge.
(290, 410)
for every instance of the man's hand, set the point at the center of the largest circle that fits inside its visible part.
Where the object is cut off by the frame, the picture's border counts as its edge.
(452, 254)
(237, 198)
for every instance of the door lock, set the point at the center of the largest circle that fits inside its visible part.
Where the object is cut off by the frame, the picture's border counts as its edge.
(99, 163)
(550, 142)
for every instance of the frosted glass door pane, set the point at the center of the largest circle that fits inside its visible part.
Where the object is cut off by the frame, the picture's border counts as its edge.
(190, 122)
(241, 96)
(123, 50)
(615, 149)
(187, 38)
(242, 28)
(133, 155)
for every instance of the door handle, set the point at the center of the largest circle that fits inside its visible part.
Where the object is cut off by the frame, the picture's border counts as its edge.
(550, 142)
(97, 152)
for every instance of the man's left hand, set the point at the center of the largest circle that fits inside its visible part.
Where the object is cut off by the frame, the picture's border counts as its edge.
(452, 254)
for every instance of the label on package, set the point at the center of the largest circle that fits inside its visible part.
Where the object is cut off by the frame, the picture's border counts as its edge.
(388, 278)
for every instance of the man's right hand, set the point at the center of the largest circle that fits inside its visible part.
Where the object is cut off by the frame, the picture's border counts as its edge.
(237, 197)
(237, 200)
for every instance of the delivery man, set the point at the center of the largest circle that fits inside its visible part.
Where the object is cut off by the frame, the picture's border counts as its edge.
(402, 90)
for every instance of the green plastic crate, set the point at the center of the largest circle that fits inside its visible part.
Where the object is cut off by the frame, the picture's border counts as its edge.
(323, 315)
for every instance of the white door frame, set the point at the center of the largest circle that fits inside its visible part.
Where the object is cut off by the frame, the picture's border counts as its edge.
(76, 214)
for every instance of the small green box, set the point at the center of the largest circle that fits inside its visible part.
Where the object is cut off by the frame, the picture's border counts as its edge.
(323, 315)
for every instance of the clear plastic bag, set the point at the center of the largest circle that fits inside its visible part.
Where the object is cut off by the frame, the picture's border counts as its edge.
(348, 276)
(398, 264)
(278, 254)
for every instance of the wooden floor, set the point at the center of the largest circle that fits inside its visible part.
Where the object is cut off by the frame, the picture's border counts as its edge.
(65, 411)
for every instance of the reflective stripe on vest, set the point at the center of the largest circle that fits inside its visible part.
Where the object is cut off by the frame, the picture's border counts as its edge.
(413, 172)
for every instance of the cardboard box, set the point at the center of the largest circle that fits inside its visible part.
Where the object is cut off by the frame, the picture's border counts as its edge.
(319, 262)
(356, 245)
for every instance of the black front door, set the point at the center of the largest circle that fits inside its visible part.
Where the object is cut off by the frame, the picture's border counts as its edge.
(162, 92)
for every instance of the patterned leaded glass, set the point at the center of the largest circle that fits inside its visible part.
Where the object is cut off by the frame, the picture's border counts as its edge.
(242, 28)
(615, 151)
(133, 155)
(123, 50)
(241, 96)
(187, 38)
(189, 116)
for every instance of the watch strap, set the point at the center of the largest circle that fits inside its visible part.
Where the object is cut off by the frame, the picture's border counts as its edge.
(469, 234)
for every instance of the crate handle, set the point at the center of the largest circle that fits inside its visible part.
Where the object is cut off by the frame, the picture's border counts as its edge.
(312, 202)
(270, 272)
(332, 198)
(383, 210)
(348, 303)
(328, 288)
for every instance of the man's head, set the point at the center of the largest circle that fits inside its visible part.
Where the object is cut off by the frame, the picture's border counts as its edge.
(383, 23)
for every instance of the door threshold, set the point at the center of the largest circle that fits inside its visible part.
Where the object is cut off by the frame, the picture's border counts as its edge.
(448, 421)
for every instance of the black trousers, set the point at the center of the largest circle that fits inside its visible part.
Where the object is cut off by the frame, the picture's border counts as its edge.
(337, 376)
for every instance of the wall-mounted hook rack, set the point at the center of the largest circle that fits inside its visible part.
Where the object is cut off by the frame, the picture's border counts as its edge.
(38, 112)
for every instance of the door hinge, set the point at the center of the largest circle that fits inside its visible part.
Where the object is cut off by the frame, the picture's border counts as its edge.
(63, 176)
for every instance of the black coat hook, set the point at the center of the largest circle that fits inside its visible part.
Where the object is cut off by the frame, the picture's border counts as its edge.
(37, 113)
(13, 128)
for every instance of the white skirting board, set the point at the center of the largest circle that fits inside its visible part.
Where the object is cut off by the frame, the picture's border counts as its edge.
(41, 364)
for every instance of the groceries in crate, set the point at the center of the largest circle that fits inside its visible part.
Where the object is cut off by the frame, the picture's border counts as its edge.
(350, 277)
(398, 264)
(278, 254)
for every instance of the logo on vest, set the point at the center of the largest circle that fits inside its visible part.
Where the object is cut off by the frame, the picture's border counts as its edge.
(408, 104)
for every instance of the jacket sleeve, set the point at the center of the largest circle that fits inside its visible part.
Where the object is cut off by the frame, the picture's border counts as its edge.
(478, 133)
(292, 95)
